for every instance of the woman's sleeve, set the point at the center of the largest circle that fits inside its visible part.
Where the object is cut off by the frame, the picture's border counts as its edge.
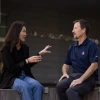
(32, 64)
(8, 61)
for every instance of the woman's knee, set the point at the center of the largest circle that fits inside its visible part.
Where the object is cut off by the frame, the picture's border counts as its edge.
(21, 87)
(37, 84)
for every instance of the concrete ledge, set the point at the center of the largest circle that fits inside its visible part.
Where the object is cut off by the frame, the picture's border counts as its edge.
(94, 95)
(52, 95)
(9, 94)
(49, 94)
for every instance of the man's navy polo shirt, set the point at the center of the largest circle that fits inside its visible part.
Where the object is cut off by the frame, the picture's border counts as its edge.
(81, 56)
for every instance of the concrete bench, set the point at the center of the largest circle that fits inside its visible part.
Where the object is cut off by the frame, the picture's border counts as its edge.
(94, 95)
(9, 94)
(52, 95)
(49, 94)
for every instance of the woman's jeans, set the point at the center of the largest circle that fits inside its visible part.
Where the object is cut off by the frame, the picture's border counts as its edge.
(28, 88)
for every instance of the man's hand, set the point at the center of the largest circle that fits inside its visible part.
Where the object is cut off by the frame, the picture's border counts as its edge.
(76, 82)
(44, 51)
(64, 76)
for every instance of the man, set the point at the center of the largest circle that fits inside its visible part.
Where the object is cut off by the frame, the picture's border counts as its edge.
(83, 57)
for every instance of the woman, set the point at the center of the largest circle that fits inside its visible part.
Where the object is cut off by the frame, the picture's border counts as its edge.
(16, 72)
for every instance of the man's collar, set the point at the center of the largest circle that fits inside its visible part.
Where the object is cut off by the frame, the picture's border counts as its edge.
(84, 42)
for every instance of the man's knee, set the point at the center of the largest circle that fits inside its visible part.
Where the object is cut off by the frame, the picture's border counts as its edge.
(59, 86)
(63, 84)
(71, 91)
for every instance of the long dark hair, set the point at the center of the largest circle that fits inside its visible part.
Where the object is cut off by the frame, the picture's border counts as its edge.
(12, 36)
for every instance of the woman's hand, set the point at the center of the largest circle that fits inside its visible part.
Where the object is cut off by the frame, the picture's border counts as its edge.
(44, 51)
(34, 59)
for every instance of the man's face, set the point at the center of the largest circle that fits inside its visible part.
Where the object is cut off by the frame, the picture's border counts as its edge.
(77, 31)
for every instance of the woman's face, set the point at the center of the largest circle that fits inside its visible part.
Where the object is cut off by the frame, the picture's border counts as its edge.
(22, 34)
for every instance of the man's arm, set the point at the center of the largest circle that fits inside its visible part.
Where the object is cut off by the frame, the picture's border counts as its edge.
(65, 69)
(89, 71)
(86, 75)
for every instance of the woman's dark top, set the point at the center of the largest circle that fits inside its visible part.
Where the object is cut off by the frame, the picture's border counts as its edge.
(14, 63)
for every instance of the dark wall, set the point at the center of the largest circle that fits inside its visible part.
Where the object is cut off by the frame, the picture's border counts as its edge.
(56, 20)
(49, 69)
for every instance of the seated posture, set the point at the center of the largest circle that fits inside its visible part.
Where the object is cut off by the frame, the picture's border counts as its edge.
(16, 72)
(83, 57)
